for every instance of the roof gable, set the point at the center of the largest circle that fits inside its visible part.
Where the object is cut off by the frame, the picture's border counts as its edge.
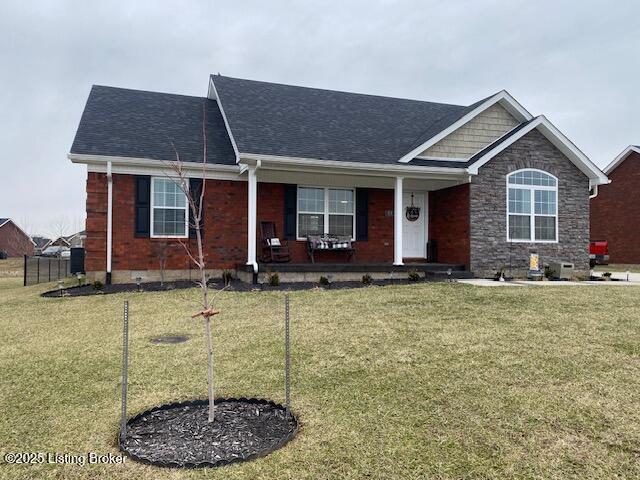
(503, 98)
(621, 157)
(284, 120)
(473, 136)
(551, 133)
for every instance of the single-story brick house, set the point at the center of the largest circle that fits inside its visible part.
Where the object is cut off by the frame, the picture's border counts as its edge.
(615, 211)
(13, 240)
(490, 181)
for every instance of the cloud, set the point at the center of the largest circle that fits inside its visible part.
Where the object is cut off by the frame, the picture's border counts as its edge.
(574, 62)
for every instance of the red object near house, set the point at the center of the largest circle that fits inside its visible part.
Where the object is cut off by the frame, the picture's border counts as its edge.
(599, 253)
(615, 210)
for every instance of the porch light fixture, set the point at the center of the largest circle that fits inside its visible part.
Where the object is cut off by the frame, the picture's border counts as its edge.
(413, 212)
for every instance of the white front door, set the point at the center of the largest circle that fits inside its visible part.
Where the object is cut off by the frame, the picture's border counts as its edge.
(414, 231)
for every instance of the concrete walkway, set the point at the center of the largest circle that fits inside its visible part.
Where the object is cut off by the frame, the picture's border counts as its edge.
(483, 282)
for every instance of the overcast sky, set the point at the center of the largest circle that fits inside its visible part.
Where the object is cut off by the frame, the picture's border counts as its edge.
(575, 62)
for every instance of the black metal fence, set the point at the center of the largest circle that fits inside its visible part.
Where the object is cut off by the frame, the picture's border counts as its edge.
(45, 269)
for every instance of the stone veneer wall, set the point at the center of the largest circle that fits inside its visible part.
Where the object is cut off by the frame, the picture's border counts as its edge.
(490, 249)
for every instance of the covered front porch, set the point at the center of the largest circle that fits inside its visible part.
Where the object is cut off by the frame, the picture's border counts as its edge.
(357, 205)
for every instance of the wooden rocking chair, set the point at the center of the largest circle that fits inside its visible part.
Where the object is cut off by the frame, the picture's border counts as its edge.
(273, 249)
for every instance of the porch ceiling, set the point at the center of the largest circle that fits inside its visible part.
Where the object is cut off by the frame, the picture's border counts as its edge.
(348, 179)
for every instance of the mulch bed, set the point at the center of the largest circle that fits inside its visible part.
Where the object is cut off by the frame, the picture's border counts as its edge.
(179, 435)
(235, 286)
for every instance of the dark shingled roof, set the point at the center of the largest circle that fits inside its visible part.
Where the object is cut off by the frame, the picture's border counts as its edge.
(134, 123)
(3, 220)
(275, 119)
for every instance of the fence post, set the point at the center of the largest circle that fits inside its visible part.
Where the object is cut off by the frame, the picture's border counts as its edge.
(125, 371)
(287, 356)
(24, 272)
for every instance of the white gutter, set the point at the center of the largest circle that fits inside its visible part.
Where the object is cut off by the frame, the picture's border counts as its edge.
(109, 219)
(371, 169)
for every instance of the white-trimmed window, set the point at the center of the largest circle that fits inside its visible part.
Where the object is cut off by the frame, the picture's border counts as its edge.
(169, 209)
(532, 206)
(326, 210)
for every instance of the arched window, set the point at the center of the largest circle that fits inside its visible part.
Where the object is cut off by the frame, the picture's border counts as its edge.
(532, 206)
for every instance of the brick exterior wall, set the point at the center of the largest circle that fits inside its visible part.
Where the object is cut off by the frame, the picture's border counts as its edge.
(489, 247)
(14, 242)
(615, 212)
(449, 224)
(225, 227)
(378, 247)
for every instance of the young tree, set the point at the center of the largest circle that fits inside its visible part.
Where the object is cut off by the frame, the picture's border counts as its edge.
(196, 207)
(161, 250)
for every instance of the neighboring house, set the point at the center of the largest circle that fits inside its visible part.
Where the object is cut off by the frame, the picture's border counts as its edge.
(493, 182)
(61, 242)
(77, 239)
(40, 243)
(71, 241)
(13, 240)
(615, 212)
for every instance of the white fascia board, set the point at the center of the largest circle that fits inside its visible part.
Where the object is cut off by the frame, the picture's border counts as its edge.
(5, 222)
(148, 166)
(504, 98)
(345, 167)
(558, 139)
(620, 158)
(213, 95)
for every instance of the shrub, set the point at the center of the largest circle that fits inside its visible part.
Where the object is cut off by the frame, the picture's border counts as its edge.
(367, 279)
(548, 273)
(273, 279)
(97, 285)
(606, 275)
(227, 276)
(414, 276)
(324, 281)
(499, 274)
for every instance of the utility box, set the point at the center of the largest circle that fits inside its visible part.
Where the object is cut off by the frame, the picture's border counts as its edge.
(561, 270)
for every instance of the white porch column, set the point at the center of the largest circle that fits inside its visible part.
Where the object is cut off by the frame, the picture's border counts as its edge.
(109, 222)
(252, 205)
(397, 223)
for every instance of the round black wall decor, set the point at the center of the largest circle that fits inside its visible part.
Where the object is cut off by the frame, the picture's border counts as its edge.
(413, 212)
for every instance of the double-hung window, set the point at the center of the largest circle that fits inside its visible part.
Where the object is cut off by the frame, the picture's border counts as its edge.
(532, 206)
(326, 210)
(169, 209)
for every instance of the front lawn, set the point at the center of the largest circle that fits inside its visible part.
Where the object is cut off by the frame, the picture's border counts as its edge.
(418, 381)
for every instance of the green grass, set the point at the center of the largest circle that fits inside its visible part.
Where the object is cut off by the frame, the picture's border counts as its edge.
(417, 381)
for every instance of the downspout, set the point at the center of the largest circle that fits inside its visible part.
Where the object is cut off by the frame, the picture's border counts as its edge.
(109, 220)
(595, 191)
